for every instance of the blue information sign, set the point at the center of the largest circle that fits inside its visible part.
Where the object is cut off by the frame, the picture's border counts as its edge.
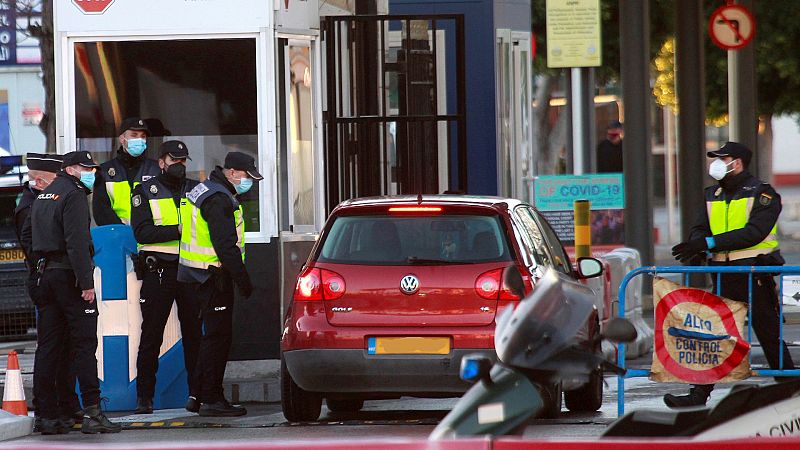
(559, 192)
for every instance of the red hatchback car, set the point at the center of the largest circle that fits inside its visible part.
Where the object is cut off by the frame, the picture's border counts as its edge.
(398, 289)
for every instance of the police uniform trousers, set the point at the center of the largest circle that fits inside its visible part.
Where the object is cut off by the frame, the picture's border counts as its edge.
(765, 315)
(63, 311)
(160, 288)
(67, 400)
(216, 300)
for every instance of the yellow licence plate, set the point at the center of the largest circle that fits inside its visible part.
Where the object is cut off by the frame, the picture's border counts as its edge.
(408, 345)
(11, 255)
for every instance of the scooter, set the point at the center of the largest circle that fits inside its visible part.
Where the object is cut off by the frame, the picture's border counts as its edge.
(537, 346)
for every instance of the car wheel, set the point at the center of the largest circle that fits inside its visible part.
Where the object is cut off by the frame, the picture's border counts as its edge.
(552, 401)
(588, 397)
(344, 404)
(298, 405)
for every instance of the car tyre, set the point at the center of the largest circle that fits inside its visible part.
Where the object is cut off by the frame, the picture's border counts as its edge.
(552, 395)
(344, 404)
(298, 405)
(589, 397)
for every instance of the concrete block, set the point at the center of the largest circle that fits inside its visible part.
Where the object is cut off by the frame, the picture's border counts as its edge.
(13, 426)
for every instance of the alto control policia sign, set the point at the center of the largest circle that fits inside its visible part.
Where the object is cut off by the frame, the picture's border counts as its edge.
(698, 336)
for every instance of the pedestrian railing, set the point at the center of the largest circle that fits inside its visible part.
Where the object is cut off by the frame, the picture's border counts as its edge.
(718, 271)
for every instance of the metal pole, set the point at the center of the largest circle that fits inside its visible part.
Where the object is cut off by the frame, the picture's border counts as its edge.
(582, 90)
(742, 99)
(690, 85)
(637, 165)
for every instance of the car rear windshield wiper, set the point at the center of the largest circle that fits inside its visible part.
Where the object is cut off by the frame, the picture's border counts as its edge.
(416, 260)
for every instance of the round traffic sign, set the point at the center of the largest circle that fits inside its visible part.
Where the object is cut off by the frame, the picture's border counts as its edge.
(731, 27)
(712, 304)
(93, 6)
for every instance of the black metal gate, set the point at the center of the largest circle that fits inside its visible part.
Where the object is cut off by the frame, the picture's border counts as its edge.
(395, 113)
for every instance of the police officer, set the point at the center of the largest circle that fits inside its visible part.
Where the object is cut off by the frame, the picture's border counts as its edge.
(42, 169)
(60, 235)
(155, 218)
(738, 228)
(117, 177)
(212, 260)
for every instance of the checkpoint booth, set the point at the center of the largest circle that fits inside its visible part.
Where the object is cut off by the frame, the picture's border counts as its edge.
(219, 75)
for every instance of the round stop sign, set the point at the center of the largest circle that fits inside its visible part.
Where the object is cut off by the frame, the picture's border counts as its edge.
(93, 6)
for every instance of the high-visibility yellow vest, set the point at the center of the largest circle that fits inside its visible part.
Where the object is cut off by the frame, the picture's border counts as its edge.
(196, 248)
(164, 211)
(118, 187)
(728, 215)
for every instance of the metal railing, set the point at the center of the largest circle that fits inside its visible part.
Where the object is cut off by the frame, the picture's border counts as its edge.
(718, 270)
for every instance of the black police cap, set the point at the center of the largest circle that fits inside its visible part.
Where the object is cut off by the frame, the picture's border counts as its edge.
(46, 162)
(243, 161)
(80, 158)
(734, 150)
(133, 123)
(175, 149)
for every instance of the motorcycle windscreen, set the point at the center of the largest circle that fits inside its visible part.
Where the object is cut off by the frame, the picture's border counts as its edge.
(545, 322)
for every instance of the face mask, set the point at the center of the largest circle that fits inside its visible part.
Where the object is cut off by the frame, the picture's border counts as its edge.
(87, 178)
(176, 171)
(244, 185)
(718, 169)
(136, 146)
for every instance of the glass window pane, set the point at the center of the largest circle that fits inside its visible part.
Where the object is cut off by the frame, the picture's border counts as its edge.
(301, 134)
(202, 92)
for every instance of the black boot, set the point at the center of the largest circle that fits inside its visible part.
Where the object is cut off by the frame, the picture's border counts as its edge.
(144, 406)
(52, 426)
(94, 421)
(221, 409)
(698, 396)
(192, 405)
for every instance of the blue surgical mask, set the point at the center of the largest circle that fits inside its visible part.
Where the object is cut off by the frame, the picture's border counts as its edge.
(136, 146)
(87, 178)
(244, 185)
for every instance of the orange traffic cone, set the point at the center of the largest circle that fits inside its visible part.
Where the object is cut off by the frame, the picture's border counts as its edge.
(14, 395)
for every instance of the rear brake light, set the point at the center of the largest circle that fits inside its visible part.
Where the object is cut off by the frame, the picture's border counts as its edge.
(319, 284)
(415, 209)
(489, 285)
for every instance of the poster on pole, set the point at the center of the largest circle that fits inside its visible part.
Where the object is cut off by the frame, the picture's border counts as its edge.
(555, 196)
(573, 33)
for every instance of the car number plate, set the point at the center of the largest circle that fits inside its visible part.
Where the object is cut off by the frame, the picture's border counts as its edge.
(405, 345)
(13, 255)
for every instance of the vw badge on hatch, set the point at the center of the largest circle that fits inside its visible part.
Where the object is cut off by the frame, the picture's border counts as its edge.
(409, 284)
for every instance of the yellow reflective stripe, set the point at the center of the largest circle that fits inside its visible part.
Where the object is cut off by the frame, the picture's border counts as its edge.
(168, 247)
(198, 264)
(155, 209)
(197, 249)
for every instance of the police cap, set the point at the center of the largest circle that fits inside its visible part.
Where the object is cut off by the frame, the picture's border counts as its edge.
(733, 149)
(80, 158)
(243, 161)
(46, 162)
(175, 149)
(133, 123)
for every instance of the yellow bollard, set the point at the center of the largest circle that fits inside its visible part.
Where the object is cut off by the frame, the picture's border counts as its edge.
(583, 228)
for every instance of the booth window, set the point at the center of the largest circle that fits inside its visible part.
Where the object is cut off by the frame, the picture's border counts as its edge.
(202, 92)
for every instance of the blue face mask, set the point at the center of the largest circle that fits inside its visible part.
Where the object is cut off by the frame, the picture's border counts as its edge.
(244, 185)
(87, 178)
(136, 146)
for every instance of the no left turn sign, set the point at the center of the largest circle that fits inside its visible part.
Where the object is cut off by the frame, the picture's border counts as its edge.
(731, 27)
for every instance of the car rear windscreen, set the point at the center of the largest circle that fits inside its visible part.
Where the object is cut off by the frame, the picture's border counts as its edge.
(410, 240)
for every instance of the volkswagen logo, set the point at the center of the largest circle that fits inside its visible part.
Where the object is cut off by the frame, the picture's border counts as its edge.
(409, 284)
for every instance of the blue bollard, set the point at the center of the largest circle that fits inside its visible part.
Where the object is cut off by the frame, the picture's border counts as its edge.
(120, 322)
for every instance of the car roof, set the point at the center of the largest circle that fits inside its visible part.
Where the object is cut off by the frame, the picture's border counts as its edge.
(441, 199)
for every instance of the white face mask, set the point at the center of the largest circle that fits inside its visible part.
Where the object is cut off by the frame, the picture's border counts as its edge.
(718, 169)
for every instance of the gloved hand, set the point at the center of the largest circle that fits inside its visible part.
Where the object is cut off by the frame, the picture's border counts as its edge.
(245, 287)
(687, 250)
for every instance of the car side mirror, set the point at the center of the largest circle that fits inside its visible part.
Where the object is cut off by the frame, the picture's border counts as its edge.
(589, 267)
(620, 329)
(512, 279)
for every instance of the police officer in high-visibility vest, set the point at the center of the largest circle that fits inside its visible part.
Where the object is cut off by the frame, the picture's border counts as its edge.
(155, 220)
(60, 236)
(111, 203)
(738, 228)
(42, 170)
(212, 260)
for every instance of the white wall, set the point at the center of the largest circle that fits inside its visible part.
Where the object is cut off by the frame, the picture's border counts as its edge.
(24, 88)
(785, 144)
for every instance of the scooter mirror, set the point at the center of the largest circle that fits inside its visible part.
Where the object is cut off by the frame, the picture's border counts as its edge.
(513, 280)
(619, 329)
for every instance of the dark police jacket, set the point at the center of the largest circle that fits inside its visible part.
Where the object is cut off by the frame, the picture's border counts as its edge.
(21, 213)
(60, 227)
(125, 167)
(144, 228)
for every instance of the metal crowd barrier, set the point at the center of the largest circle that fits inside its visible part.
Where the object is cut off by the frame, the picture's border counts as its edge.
(718, 270)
